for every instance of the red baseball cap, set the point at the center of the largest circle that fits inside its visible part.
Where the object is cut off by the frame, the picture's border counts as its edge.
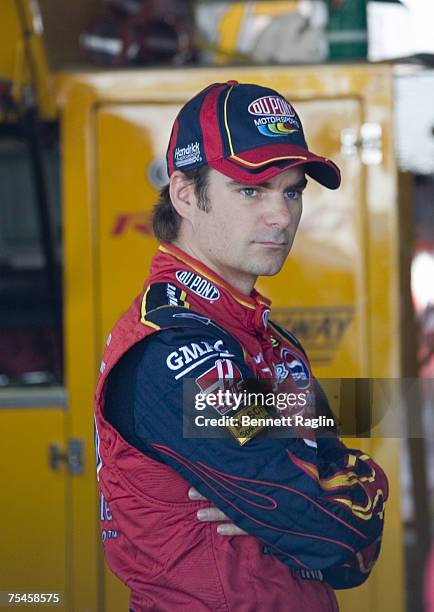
(247, 132)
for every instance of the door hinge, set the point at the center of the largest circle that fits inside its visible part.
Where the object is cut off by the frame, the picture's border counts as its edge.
(73, 456)
(368, 141)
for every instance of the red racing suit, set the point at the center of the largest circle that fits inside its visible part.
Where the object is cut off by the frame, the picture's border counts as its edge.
(313, 508)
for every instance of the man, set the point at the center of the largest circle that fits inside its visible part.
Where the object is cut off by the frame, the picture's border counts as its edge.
(296, 516)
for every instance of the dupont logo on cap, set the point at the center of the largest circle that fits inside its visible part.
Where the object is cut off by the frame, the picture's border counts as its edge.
(271, 105)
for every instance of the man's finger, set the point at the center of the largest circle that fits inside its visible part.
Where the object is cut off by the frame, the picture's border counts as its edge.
(195, 495)
(229, 529)
(214, 514)
(211, 514)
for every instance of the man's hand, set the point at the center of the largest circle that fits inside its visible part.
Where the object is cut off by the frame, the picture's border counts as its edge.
(212, 514)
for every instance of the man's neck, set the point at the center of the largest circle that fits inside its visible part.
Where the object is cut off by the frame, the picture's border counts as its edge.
(241, 281)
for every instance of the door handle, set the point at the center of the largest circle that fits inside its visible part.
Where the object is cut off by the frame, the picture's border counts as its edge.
(72, 456)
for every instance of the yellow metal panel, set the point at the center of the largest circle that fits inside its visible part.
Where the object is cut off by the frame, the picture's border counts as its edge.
(115, 124)
(10, 37)
(125, 198)
(22, 53)
(81, 333)
(33, 511)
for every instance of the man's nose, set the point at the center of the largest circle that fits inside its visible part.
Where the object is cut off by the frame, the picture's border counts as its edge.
(277, 212)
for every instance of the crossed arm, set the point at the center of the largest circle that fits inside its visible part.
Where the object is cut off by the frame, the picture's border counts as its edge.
(317, 508)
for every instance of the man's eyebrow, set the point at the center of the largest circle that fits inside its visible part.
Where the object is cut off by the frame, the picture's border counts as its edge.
(300, 185)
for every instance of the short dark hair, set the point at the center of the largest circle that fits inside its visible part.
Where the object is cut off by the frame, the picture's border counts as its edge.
(165, 220)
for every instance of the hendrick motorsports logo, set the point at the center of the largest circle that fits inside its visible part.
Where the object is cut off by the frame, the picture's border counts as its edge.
(184, 156)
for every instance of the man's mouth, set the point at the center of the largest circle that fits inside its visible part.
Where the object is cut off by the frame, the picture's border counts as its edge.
(271, 243)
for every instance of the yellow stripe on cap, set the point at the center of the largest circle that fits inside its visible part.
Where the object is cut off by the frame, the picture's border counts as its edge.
(267, 161)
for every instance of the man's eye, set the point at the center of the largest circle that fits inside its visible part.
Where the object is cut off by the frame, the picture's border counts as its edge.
(248, 191)
(293, 195)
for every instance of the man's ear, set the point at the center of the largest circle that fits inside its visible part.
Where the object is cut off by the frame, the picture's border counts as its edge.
(182, 195)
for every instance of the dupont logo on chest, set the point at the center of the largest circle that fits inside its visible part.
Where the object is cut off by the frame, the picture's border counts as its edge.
(271, 105)
(200, 286)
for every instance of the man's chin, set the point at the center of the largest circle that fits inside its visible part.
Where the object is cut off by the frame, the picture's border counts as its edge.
(268, 268)
(269, 260)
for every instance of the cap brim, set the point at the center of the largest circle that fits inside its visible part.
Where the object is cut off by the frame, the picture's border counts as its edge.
(259, 165)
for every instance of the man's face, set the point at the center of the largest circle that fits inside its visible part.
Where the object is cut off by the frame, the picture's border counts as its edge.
(249, 230)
